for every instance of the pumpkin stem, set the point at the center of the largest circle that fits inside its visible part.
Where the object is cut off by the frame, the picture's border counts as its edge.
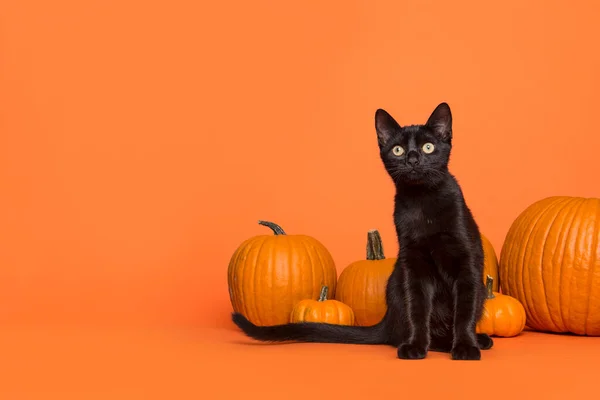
(489, 284)
(277, 230)
(374, 245)
(323, 295)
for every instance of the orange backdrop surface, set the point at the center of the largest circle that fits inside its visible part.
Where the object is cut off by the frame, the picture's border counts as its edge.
(140, 142)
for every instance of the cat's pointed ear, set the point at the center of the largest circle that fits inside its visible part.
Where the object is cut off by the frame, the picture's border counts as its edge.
(440, 121)
(385, 125)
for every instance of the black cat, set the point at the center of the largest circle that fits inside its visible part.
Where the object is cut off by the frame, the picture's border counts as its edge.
(436, 292)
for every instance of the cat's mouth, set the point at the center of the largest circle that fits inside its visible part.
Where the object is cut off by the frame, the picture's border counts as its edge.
(414, 171)
(414, 175)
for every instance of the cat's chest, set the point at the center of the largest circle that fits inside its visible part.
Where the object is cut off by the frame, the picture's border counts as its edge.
(423, 218)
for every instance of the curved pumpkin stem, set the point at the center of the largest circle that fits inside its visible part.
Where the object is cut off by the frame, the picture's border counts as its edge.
(277, 230)
(489, 284)
(323, 295)
(374, 245)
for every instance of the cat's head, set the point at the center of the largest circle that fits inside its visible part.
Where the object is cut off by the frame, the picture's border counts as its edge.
(416, 154)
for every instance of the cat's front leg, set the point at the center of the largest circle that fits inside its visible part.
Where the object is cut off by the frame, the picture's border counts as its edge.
(418, 297)
(466, 311)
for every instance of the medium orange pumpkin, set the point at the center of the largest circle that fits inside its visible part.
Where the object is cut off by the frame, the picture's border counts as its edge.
(550, 262)
(323, 311)
(362, 284)
(502, 315)
(269, 274)
(490, 262)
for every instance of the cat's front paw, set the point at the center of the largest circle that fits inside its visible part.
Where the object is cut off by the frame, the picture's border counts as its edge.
(411, 352)
(463, 351)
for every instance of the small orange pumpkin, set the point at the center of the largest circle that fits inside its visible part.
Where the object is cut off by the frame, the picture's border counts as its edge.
(323, 311)
(362, 284)
(502, 315)
(269, 274)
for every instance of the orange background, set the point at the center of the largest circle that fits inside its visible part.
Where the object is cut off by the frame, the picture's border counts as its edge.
(141, 141)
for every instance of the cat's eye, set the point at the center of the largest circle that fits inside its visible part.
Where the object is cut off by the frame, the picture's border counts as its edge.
(398, 151)
(428, 148)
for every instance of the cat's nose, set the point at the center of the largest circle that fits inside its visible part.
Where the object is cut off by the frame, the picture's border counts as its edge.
(412, 158)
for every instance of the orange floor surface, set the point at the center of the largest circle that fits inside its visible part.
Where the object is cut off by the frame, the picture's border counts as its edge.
(77, 363)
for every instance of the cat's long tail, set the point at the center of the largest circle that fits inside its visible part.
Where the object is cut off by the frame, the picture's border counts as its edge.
(314, 332)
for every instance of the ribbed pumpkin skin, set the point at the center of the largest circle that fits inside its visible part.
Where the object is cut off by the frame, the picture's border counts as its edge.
(269, 274)
(550, 262)
(503, 316)
(323, 311)
(362, 284)
(490, 263)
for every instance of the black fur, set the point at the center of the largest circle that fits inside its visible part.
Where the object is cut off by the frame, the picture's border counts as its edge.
(436, 292)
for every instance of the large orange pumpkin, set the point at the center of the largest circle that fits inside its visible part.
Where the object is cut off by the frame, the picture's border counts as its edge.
(269, 274)
(322, 311)
(362, 284)
(550, 262)
(490, 263)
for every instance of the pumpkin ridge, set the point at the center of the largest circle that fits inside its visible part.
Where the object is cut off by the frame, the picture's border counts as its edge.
(567, 320)
(240, 257)
(572, 212)
(593, 263)
(292, 283)
(511, 317)
(301, 278)
(255, 280)
(243, 281)
(358, 277)
(565, 240)
(333, 285)
(539, 315)
(522, 285)
(313, 276)
(565, 237)
(336, 313)
(560, 264)
(350, 294)
(542, 308)
(580, 243)
(498, 322)
(332, 272)
(231, 275)
(272, 277)
(242, 274)
(556, 215)
(562, 242)
(367, 286)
